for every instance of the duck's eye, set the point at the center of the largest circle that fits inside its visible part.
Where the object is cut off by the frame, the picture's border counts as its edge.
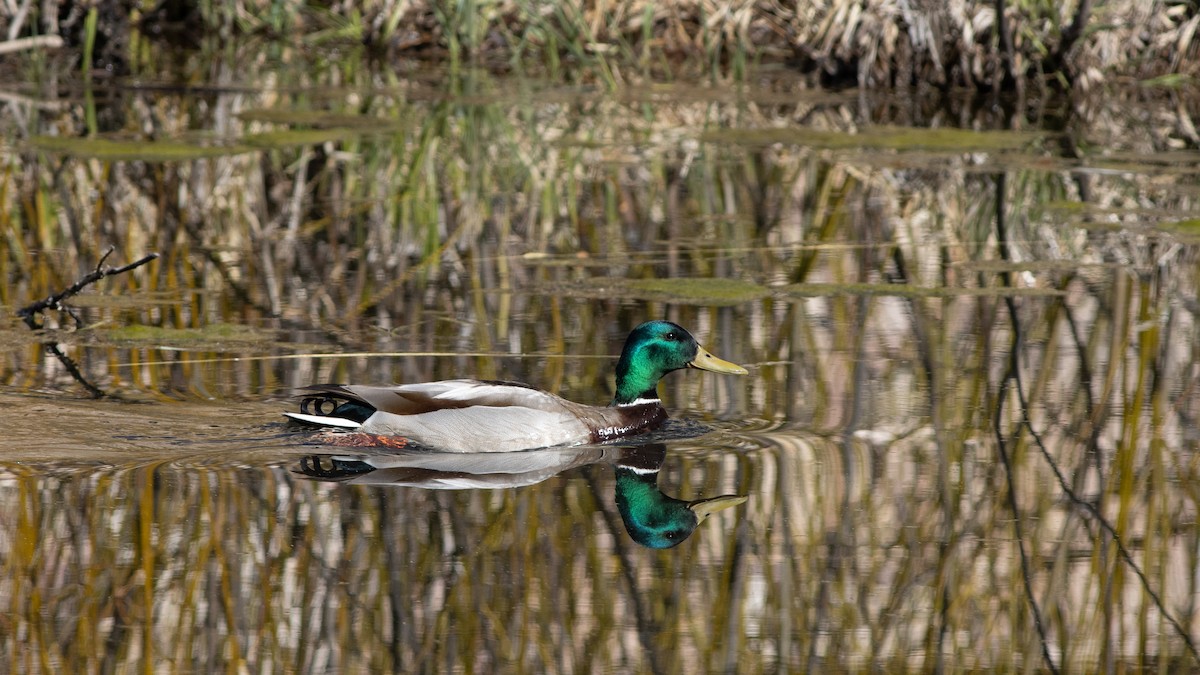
(672, 336)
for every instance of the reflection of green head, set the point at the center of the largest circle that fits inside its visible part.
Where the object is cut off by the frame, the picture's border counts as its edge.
(652, 518)
(656, 348)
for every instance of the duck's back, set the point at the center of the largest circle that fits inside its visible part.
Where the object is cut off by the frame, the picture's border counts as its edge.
(412, 399)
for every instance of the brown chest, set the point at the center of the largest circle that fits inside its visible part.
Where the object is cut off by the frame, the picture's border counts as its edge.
(629, 420)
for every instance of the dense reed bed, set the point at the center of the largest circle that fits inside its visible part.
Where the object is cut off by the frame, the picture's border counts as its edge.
(974, 43)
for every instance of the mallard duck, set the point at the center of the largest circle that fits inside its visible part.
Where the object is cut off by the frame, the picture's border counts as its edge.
(651, 517)
(497, 416)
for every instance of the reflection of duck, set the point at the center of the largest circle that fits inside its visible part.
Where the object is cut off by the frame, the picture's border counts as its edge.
(652, 518)
(454, 471)
(489, 416)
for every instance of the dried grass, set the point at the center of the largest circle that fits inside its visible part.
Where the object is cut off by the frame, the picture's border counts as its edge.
(871, 43)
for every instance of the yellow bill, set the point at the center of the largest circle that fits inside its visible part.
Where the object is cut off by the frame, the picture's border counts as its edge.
(706, 361)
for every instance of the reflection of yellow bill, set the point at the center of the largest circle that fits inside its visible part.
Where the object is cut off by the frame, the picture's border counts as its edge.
(704, 508)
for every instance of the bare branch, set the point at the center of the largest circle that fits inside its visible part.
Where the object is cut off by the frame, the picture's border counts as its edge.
(55, 301)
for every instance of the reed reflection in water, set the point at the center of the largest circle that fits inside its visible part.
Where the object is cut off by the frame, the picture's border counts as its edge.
(863, 272)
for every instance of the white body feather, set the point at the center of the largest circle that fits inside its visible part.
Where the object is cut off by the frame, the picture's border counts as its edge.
(483, 428)
(470, 416)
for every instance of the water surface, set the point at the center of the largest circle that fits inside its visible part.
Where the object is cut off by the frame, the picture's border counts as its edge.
(883, 267)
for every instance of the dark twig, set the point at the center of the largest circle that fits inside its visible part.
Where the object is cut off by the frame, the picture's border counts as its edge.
(73, 369)
(1095, 513)
(1026, 574)
(1007, 58)
(1014, 375)
(1057, 62)
(55, 301)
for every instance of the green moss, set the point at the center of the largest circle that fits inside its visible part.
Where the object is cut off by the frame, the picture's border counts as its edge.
(703, 291)
(319, 119)
(685, 290)
(289, 137)
(1187, 230)
(1031, 265)
(132, 150)
(906, 290)
(1065, 206)
(1169, 81)
(208, 336)
(885, 138)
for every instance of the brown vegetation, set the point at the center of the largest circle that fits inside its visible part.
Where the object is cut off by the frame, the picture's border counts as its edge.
(989, 44)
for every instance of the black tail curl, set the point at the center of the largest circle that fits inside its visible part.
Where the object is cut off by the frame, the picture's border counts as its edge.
(330, 401)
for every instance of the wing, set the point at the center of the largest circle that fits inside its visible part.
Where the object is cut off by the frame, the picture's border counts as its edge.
(416, 399)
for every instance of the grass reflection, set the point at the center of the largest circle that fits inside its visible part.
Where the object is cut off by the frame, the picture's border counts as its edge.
(523, 239)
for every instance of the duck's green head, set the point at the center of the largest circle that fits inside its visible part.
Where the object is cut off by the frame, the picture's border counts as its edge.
(652, 518)
(656, 348)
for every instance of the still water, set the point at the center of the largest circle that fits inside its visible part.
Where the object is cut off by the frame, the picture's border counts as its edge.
(966, 441)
